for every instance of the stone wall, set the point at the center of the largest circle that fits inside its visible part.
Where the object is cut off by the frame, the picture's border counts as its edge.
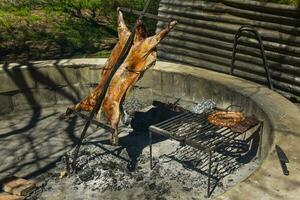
(205, 33)
(46, 83)
(65, 82)
(55, 82)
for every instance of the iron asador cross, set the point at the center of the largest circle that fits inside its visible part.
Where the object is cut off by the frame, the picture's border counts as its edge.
(90, 118)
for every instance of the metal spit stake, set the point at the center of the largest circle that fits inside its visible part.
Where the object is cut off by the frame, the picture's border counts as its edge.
(121, 58)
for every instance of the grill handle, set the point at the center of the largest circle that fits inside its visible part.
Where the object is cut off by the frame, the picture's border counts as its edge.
(241, 109)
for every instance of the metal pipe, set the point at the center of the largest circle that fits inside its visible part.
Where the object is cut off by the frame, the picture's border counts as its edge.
(148, 15)
(150, 146)
(106, 127)
(251, 29)
(209, 175)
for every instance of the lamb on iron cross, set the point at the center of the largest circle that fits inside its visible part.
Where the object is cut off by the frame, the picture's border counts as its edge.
(141, 57)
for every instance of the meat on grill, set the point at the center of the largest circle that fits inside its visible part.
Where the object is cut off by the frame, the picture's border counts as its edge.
(225, 118)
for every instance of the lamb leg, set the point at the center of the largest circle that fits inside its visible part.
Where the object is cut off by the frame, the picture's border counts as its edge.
(89, 102)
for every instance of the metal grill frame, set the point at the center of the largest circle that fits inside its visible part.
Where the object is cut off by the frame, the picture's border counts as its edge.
(169, 129)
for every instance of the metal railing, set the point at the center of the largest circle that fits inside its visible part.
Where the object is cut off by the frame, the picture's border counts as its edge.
(251, 29)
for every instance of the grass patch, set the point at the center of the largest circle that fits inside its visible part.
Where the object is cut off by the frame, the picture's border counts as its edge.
(50, 29)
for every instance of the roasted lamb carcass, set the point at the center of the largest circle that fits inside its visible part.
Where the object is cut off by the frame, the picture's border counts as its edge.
(141, 57)
(88, 103)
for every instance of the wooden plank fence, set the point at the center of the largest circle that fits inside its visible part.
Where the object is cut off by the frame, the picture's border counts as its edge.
(204, 38)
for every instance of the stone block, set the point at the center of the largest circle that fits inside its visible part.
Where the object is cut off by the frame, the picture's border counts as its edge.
(18, 186)
(71, 95)
(45, 97)
(196, 89)
(156, 81)
(5, 104)
(248, 105)
(167, 84)
(41, 77)
(66, 96)
(146, 80)
(95, 75)
(23, 101)
(11, 197)
(15, 78)
(159, 97)
(62, 76)
(144, 95)
(201, 89)
(84, 75)
(217, 94)
(7, 83)
(226, 98)
(181, 86)
(33, 99)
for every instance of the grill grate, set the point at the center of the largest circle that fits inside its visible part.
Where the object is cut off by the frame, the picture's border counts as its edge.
(195, 131)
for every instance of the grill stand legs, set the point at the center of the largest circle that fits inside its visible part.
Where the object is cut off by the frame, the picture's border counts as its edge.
(260, 138)
(150, 146)
(209, 164)
(209, 175)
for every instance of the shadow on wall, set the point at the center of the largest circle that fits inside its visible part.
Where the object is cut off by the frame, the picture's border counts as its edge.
(22, 140)
(18, 78)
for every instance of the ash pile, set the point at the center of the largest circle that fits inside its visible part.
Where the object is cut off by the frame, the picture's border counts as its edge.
(176, 175)
(101, 174)
(123, 172)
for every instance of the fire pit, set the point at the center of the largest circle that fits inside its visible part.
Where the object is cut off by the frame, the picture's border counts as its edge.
(121, 171)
